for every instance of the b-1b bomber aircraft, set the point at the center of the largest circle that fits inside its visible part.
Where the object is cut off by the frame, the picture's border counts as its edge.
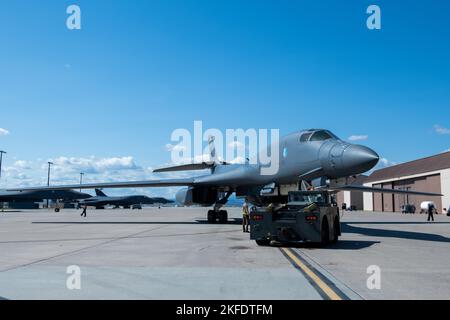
(315, 156)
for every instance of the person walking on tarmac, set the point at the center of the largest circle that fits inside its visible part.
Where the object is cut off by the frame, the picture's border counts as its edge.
(430, 212)
(83, 214)
(245, 217)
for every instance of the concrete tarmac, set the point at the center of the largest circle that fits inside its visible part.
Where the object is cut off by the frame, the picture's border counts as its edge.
(172, 253)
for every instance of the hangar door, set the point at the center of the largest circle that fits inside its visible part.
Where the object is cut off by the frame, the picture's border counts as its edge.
(430, 183)
(377, 199)
(383, 202)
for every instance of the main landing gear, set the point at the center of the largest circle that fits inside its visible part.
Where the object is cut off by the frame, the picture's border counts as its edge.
(217, 215)
(220, 216)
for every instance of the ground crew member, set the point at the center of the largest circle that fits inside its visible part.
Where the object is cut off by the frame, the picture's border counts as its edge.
(245, 217)
(83, 214)
(430, 212)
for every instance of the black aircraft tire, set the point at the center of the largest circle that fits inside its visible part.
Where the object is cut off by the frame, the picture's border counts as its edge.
(325, 233)
(223, 216)
(211, 216)
(262, 242)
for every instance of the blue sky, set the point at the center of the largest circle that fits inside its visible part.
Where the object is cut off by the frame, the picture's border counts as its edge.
(107, 97)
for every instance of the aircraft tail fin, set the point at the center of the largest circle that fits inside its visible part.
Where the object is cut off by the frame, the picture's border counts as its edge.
(212, 149)
(100, 193)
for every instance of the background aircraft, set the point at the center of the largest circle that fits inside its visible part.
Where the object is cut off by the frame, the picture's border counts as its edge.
(41, 195)
(315, 156)
(101, 200)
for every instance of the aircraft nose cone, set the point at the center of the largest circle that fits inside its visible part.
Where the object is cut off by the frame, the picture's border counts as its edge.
(359, 158)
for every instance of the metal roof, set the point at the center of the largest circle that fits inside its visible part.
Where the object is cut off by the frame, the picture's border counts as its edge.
(434, 163)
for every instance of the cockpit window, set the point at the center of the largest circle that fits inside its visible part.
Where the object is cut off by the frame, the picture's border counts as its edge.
(333, 135)
(320, 136)
(305, 137)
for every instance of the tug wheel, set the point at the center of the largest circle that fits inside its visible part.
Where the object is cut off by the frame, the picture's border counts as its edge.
(336, 229)
(325, 232)
(262, 242)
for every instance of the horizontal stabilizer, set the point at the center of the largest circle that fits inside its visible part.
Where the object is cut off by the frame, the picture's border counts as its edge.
(383, 190)
(186, 167)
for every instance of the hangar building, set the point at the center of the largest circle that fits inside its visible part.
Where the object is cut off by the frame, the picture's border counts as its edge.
(352, 199)
(431, 174)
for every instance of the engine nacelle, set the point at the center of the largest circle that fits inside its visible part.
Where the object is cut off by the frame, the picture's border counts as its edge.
(184, 196)
(197, 195)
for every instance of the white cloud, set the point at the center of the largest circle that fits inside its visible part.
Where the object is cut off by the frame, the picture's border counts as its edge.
(92, 164)
(3, 132)
(238, 160)
(441, 130)
(386, 163)
(15, 173)
(197, 159)
(116, 163)
(358, 137)
(382, 163)
(66, 170)
(176, 147)
(23, 164)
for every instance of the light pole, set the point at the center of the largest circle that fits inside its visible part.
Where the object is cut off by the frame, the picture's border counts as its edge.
(1, 159)
(48, 176)
(81, 179)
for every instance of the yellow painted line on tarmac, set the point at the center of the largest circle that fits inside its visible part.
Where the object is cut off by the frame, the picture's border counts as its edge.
(312, 275)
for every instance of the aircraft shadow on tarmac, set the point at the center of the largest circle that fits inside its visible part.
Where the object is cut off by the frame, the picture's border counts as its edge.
(340, 245)
(347, 227)
(398, 222)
